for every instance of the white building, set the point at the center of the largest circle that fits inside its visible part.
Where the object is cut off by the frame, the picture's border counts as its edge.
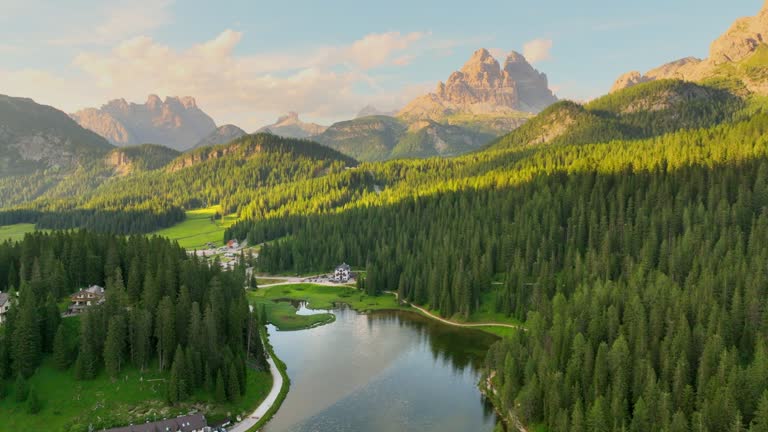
(5, 305)
(342, 273)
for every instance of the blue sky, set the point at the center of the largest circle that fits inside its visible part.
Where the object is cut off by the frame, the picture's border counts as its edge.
(246, 62)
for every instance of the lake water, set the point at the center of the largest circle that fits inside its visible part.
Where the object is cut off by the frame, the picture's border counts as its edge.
(382, 372)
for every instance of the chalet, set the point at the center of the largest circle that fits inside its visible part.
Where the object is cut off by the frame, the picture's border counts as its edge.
(81, 300)
(187, 423)
(233, 244)
(342, 273)
(5, 305)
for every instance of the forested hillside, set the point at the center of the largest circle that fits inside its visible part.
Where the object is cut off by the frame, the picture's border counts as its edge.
(154, 195)
(636, 259)
(163, 310)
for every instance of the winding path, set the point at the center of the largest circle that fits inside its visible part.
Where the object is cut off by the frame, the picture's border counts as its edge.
(454, 323)
(266, 404)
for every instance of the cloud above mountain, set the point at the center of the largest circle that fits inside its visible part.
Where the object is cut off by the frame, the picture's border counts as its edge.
(321, 82)
(538, 50)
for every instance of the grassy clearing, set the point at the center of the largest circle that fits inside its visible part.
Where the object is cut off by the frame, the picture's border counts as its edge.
(283, 314)
(198, 229)
(15, 232)
(72, 405)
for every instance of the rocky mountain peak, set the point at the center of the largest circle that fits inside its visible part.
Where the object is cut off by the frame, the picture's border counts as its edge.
(483, 87)
(289, 117)
(290, 126)
(737, 44)
(514, 57)
(153, 101)
(176, 122)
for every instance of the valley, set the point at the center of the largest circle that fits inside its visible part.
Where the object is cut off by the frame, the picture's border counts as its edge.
(486, 256)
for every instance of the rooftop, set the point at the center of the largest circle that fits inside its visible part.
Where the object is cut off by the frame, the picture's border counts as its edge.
(188, 423)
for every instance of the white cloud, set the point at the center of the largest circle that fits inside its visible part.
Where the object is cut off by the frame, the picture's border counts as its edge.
(537, 50)
(326, 82)
(114, 22)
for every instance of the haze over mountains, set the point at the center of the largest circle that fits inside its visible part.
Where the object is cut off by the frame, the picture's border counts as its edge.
(290, 126)
(176, 122)
(739, 55)
(476, 104)
(483, 87)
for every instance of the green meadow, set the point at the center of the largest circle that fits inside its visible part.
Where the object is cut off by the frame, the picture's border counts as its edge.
(15, 232)
(72, 405)
(283, 315)
(198, 229)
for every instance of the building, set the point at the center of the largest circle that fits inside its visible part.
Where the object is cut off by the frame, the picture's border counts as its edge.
(187, 423)
(81, 300)
(5, 305)
(342, 273)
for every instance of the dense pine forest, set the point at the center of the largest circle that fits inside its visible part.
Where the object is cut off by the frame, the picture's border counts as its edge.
(163, 310)
(626, 234)
(638, 266)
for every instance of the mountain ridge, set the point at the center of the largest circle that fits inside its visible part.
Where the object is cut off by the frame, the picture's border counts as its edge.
(176, 122)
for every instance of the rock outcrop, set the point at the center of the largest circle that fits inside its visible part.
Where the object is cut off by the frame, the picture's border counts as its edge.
(177, 123)
(482, 86)
(222, 135)
(39, 137)
(738, 44)
(290, 126)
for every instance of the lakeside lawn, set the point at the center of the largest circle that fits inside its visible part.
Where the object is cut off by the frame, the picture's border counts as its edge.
(72, 405)
(197, 229)
(15, 232)
(283, 314)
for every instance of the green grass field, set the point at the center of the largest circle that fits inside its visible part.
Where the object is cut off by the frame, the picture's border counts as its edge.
(283, 314)
(15, 232)
(198, 229)
(71, 405)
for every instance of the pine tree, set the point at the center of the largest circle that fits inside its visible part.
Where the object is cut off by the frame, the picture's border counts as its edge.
(21, 388)
(178, 384)
(114, 346)
(233, 384)
(27, 344)
(220, 394)
(62, 356)
(760, 421)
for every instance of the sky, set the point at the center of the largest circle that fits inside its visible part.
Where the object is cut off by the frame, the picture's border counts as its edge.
(247, 62)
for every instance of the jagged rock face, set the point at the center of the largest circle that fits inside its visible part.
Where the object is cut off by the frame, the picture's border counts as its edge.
(742, 39)
(176, 122)
(482, 86)
(34, 136)
(290, 126)
(222, 135)
(739, 43)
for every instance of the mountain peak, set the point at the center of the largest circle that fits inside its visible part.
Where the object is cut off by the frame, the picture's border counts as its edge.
(515, 57)
(289, 117)
(289, 126)
(739, 43)
(483, 87)
(176, 122)
(154, 101)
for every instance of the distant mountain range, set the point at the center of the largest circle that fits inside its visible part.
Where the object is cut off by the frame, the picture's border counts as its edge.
(476, 104)
(176, 122)
(738, 59)
(290, 126)
(222, 135)
(36, 137)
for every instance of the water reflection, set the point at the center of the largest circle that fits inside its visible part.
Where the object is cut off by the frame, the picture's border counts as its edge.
(385, 371)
